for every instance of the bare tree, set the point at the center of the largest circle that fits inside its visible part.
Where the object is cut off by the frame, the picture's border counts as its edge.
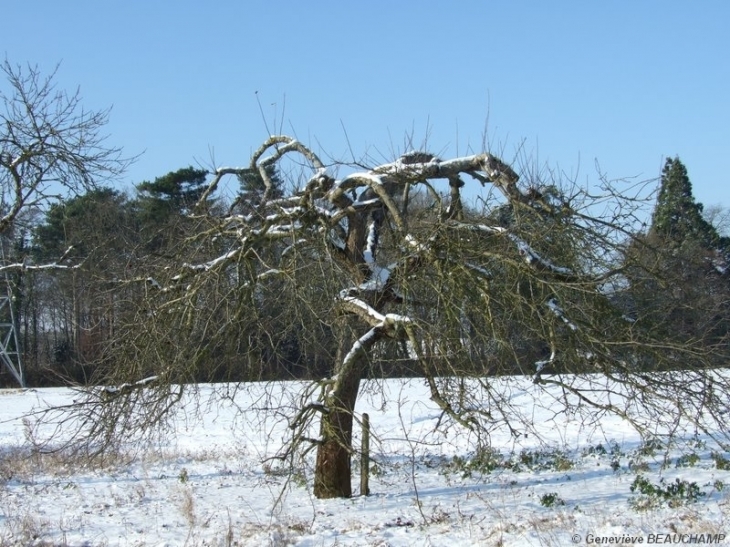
(719, 217)
(49, 145)
(390, 265)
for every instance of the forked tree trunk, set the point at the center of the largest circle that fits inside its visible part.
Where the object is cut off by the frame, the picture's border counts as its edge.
(332, 475)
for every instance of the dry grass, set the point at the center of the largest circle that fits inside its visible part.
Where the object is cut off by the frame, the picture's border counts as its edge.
(187, 505)
(491, 524)
(24, 528)
(24, 463)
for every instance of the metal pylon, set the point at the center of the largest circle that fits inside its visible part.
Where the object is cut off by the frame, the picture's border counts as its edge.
(9, 347)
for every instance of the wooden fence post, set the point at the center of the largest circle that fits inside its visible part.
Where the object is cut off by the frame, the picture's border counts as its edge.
(365, 457)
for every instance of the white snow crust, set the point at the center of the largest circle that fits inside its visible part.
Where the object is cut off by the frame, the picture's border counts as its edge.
(209, 480)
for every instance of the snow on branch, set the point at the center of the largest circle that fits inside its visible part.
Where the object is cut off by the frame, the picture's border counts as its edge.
(213, 263)
(554, 307)
(541, 365)
(177, 281)
(218, 176)
(417, 245)
(389, 321)
(24, 266)
(290, 144)
(479, 270)
(378, 279)
(361, 308)
(496, 171)
(108, 392)
(421, 167)
(382, 326)
(371, 244)
(533, 258)
(530, 255)
(361, 345)
(282, 145)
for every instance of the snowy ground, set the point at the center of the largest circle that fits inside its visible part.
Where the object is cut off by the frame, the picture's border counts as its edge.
(208, 483)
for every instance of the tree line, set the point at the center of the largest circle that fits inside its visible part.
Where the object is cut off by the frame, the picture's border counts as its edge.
(67, 318)
(106, 241)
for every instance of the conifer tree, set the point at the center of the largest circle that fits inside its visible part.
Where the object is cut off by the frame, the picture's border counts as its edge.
(162, 204)
(253, 187)
(686, 295)
(172, 193)
(677, 216)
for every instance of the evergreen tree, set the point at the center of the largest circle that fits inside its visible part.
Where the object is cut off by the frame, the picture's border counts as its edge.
(677, 216)
(162, 203)
(77, 308)
(95, 221)
(174, 192)
(253, 187)
(687, 300)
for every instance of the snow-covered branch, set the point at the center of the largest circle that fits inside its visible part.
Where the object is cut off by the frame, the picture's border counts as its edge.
(25, 266)
(530, 255)
(405, 168)
(534, 259)
(389, 325)
(554, 307)
(362, 309)
(108, 392)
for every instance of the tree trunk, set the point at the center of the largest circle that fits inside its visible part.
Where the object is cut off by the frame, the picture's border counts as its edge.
(332, 475)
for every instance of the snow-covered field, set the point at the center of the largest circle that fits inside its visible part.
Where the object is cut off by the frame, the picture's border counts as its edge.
(209, 481)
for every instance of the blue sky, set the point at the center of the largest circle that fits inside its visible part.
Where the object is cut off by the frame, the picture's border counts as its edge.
(564, 83)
